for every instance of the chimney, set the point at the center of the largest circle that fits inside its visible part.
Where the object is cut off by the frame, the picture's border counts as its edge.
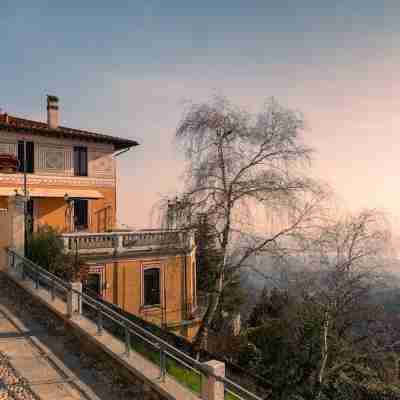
(3, 116)
(53, 117)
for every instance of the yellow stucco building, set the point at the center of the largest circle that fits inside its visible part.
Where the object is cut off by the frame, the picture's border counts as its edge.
(70, 179)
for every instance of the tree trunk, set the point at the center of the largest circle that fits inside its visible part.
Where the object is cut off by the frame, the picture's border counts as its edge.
(200, 341)
(324, 355)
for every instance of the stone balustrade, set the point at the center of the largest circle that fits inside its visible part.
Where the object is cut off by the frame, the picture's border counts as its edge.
(128, 241)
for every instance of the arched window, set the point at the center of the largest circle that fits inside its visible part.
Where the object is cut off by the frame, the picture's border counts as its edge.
(151, 287)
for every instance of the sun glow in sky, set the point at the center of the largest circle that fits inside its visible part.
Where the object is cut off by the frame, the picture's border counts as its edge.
(127, 68)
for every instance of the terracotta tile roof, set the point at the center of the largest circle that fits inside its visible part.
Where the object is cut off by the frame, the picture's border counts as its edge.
(11, 123)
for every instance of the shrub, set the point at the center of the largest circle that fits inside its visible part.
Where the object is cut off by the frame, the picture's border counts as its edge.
(46, 249)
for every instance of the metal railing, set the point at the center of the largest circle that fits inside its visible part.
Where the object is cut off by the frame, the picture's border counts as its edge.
(110, 242)
(170, 360)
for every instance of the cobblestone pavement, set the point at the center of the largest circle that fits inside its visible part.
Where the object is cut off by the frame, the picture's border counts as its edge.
(12, 385)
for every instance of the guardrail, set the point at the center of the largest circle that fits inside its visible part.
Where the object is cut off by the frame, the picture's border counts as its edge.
(168, 358)
(122, 242)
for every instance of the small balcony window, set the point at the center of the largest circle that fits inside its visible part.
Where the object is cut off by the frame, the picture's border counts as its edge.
(80, 161)
(30, 156)
(151, 287)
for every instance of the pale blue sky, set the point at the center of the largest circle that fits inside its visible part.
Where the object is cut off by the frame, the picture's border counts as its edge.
(126, 67)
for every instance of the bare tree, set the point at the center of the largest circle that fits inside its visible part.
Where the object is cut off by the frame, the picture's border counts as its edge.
(241, 168)
(330, 333)
(349, 255)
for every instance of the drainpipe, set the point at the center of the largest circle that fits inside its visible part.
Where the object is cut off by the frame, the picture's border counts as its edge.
(185, 286)
(165, 294)
(115, 176)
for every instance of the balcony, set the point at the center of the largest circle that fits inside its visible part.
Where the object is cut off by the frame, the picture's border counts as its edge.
(61, 178)
(119, 243)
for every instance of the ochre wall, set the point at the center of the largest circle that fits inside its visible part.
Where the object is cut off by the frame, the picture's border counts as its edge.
(52, 211)
(123, 280)
(3, 202)
(109, 201)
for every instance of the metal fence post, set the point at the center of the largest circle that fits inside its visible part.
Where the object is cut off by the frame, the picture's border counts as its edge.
(127, 340)
(53, 294)
(211, 387)
(70, 310)
(23, 272)
(99, 321)
(36, 279)
(163, 366)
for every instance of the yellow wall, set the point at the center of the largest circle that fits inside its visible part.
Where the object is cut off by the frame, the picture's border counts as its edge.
(52, 211)
(123, 281)
(3, 202)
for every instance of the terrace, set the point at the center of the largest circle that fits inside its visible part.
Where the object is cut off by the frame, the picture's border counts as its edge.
(123, 242)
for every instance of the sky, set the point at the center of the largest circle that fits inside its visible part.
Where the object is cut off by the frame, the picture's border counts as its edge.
(128, 68)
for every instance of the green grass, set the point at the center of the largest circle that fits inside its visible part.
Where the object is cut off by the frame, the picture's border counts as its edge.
(230, 396)
(183, 375)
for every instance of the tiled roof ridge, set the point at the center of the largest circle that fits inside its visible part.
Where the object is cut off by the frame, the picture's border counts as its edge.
(24, 123)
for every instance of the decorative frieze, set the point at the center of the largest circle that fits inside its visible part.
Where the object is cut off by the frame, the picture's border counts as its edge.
(55, 159)
(53, 180)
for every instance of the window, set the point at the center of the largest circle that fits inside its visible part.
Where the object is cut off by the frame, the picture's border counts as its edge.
(93, 284)
(30, 156)
(151, 286)
(80, 214)
(80, 161)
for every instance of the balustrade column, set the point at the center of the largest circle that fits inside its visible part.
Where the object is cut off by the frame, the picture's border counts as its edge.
(74, 299)
(211, 387)
(120, 243)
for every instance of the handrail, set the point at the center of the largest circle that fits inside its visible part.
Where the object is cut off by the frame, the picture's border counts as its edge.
(129, 326)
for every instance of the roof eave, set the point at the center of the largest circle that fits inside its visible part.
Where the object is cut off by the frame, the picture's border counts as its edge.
(127, 145)
(117, 142)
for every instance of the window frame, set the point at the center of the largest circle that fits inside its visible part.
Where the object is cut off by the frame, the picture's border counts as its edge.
(79, 170)
(100, 270)
(146, 267)
(100, 280)
(82, 227)
(29, 158)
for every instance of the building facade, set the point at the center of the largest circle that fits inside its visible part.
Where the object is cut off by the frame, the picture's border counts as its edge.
(69, 179)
